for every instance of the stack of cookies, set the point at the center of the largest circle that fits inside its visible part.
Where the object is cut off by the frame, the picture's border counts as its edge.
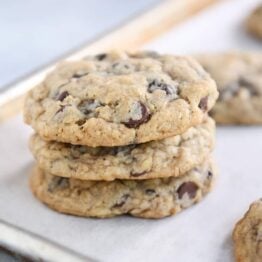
(120, 133)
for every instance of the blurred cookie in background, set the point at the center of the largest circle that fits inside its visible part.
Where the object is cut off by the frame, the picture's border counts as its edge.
(254, 22)
(239, 79)
(247, 235)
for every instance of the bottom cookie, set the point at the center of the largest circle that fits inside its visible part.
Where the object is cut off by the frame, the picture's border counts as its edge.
(152, 198)
(247, 235)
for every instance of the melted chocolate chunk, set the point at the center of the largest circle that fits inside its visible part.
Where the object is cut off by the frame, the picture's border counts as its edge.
(62, 96)
(137, 174)
(122, 67)
(58, 183)
(88, 106)
(140, 116)
(170, 90)
(209, 174)
(79, 75)
(189, 188)
(246, 83)
(229, 91)
(203, 104)
(122, 201)
(101, 56)
(233, 88)
(81, 122)
(61, 109)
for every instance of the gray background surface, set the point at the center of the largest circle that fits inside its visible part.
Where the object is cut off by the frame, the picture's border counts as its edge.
(35, 32)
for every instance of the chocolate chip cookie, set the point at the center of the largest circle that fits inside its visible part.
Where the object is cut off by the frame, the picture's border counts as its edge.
(151, 198)
(254, 22)
(171, 156)
(247, 235)
(239, 80)
(117, 99)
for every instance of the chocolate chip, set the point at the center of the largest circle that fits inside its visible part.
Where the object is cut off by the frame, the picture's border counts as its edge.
(137, 174)
(79, 74)
(170, 90)
(150, 191)
(62, 96)
(101, 56)
(125, 65)
(81, 122)
(233, 88)
(203, 104)
(88, 106)
(122, 201)
(61, 109)
(139, 116)
(229, 91)
(122, 67)
(58, 183)
(246, 83)
(189, 188)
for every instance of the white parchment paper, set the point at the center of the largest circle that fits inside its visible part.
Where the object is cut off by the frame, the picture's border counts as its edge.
(201, 233)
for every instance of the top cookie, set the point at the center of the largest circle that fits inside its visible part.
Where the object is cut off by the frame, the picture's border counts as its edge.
(247, 235)
(239, 80)
(119, 99)
(254, 22)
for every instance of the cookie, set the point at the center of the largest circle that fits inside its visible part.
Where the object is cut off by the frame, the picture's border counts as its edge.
(247, 235)
(254, 22)
(119, 99)
(239, 80)
(151, 198)
(171, 156)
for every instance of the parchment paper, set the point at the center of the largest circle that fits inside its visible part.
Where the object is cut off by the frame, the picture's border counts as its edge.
(201, 233)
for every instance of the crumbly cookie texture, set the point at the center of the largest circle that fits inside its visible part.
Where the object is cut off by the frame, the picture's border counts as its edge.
(239, 80)
(171, 156)
(118, 99)
(254, 22)
(247, 235)
(151, 198)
